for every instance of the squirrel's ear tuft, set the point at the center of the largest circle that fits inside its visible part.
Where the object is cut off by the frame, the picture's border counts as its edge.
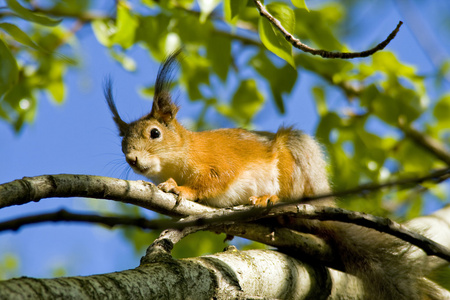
(164, 110)
(107, 91)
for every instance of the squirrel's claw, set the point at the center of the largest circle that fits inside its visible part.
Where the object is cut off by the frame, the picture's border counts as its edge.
(265, 200)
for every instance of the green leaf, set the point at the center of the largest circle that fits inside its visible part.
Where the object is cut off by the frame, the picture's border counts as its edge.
(153, 32)
(246, 102)
(103, 31)
(191, 30)
(317, 26)
(127, 62)
(29, 15)
(441, 275)
(281, 80)
(72, 6)
(442, 112)
(387, 61)
(9, 71)
(199, 243)
(195, 72)
(219, 53)
(20, 36)
(22, 103)
(319, 96)
(271, 37)
(56, 84)
(206, 8)
(126, 25)
(232, 8)
(300, 4)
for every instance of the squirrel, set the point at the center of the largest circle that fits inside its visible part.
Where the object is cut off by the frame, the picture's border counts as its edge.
(228, 167)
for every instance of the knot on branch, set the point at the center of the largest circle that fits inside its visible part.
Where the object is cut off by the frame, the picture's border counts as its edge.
(159, 251)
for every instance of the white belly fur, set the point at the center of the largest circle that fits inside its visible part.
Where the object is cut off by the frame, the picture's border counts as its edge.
(256, 180)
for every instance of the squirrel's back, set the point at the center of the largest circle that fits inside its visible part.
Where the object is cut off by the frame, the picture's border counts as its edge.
(288, 164)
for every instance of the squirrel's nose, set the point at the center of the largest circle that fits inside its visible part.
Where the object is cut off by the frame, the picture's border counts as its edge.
(131, 160)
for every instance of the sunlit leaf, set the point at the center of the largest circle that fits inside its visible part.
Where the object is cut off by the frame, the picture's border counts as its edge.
(200, 243)
(9, 71)
(152, 32)
(281, 80)
(387, 62)
(195, 72)
(246, 102)
(104, 30)
(219, 53)
(56, 84)
(71, 6)
(20, 36)
(206, 8)
(30, 15)
(300, 4)
(271, 37)
(232, 8)
(126, 27)
(442, 112)
(319, 96)
(126, 61)
(191, 30)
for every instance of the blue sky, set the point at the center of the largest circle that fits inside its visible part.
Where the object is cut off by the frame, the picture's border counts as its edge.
(79, 137)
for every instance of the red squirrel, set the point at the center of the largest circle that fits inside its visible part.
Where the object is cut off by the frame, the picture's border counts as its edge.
(227, 167)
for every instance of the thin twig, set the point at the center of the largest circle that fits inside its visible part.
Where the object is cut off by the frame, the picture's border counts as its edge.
(323, 53)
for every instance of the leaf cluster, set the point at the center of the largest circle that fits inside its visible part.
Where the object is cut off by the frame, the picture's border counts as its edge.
(237, 62)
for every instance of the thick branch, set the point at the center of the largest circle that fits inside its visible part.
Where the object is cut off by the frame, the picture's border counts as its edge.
(325, 54)
(255, 274)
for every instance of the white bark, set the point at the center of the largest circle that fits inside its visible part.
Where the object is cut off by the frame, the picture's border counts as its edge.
(231, 274)
(228, 275)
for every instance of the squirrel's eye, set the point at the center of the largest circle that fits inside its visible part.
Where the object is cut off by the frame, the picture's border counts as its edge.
(154, 133)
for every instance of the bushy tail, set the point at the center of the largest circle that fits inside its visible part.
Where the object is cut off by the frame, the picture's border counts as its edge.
(381, 261)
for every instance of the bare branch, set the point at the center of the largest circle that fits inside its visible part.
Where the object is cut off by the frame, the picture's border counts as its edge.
(323, 53)
(232, 274)
(426, 142)
(139, 193)
(67, 216)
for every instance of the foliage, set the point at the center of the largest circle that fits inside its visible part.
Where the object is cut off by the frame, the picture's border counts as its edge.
(361, 130)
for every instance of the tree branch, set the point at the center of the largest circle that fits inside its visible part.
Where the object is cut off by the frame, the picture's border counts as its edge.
(253, 274)
(323, 53)
(224, 220)
(231, 274)
(140, 193)
(147, 195)
(426, 142)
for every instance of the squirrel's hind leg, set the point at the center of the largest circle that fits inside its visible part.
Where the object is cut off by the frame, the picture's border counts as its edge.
(264, 200)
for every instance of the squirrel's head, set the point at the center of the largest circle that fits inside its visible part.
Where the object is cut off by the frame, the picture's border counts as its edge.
(149, 143)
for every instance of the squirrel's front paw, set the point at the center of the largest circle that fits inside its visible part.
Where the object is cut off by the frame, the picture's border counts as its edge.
(183, 192)
(168, 186)
(264, 201)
